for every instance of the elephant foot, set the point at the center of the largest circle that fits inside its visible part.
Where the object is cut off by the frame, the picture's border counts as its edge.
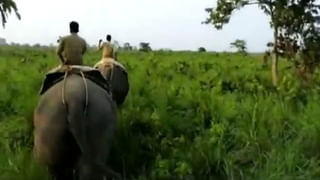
(110, 174)
(62, 174)
(97, 172)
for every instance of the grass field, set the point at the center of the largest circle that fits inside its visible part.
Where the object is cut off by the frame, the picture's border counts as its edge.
(188, 116)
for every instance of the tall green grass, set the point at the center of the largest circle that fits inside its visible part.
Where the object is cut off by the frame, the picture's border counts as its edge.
(187, 116)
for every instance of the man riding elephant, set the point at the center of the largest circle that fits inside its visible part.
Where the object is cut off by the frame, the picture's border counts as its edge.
(75, 118)
(112, 70)
(108, 49)
(74, 128)
(75, 121)
(72, 47)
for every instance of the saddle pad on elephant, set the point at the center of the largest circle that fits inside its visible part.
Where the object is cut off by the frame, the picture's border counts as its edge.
(57, 74)
(117, 63)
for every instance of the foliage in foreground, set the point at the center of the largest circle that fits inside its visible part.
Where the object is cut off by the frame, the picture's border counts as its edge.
(187, 116)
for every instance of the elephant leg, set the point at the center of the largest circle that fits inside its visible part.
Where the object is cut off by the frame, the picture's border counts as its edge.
(54, 146)
(65, 170)
(92, 163)
(89, 170)
(94, 135)
(60, 155)
(61, 173)
(112, 174)
(93, 131)
(77, 126)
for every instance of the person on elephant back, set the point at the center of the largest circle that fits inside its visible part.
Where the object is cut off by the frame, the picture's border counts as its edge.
(75, 121)
(71, 48)
(109, 58)
(108, 49)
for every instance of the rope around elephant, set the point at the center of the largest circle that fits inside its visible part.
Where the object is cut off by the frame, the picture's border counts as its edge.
(64, 89)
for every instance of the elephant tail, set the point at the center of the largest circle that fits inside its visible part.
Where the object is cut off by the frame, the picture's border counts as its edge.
(76, 127)
(87, 94)
(64, 91)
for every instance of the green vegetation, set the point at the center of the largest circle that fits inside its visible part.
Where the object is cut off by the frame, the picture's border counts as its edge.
(188, 115)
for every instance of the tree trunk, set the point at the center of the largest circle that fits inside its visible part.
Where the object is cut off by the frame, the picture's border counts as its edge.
(275, 58)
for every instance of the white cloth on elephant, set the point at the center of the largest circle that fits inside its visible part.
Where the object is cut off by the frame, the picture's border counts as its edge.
(119, 64)
(105, 66)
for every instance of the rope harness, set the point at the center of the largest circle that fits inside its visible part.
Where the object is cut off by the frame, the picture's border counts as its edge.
(108, 76)
(110, 79)
(67, 72)
(87, 95)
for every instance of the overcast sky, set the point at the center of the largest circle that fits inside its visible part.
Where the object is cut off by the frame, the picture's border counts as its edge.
(174, 24)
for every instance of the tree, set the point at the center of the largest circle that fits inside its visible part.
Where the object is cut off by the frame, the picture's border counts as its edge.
(282, 13)
(145, 47)
(267, 54)
(240, 45)
(127, 46)
(116, 44)
(202, 49)
(6, 7)
(3, 41)
(134, 48)
(310, 54)
(299, 35)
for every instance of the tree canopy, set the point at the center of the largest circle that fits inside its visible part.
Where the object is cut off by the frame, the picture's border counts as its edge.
(240, 45)
(6, 8)
(145, 47)
(292, 21)
(281, 11)
(127, 46)
(202, 49)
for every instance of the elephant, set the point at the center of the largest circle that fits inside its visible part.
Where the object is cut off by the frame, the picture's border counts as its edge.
(116, 73)
(75, 122)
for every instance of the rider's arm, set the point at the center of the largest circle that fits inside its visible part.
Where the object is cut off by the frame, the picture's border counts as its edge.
(85, 48)
(60, 50)
(100, 46)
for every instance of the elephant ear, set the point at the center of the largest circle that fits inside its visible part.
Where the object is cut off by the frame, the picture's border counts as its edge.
(119, 84)
(116, 74)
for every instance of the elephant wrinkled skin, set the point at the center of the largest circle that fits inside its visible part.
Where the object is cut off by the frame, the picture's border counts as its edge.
(73, 139)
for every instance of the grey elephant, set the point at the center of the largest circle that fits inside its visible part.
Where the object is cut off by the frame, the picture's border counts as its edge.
(75, 122)
(116, 73)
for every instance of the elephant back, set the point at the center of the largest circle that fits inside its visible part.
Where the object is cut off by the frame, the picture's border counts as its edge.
(57, 74)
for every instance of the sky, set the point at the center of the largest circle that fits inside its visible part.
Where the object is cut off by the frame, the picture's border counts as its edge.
(173, 24)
